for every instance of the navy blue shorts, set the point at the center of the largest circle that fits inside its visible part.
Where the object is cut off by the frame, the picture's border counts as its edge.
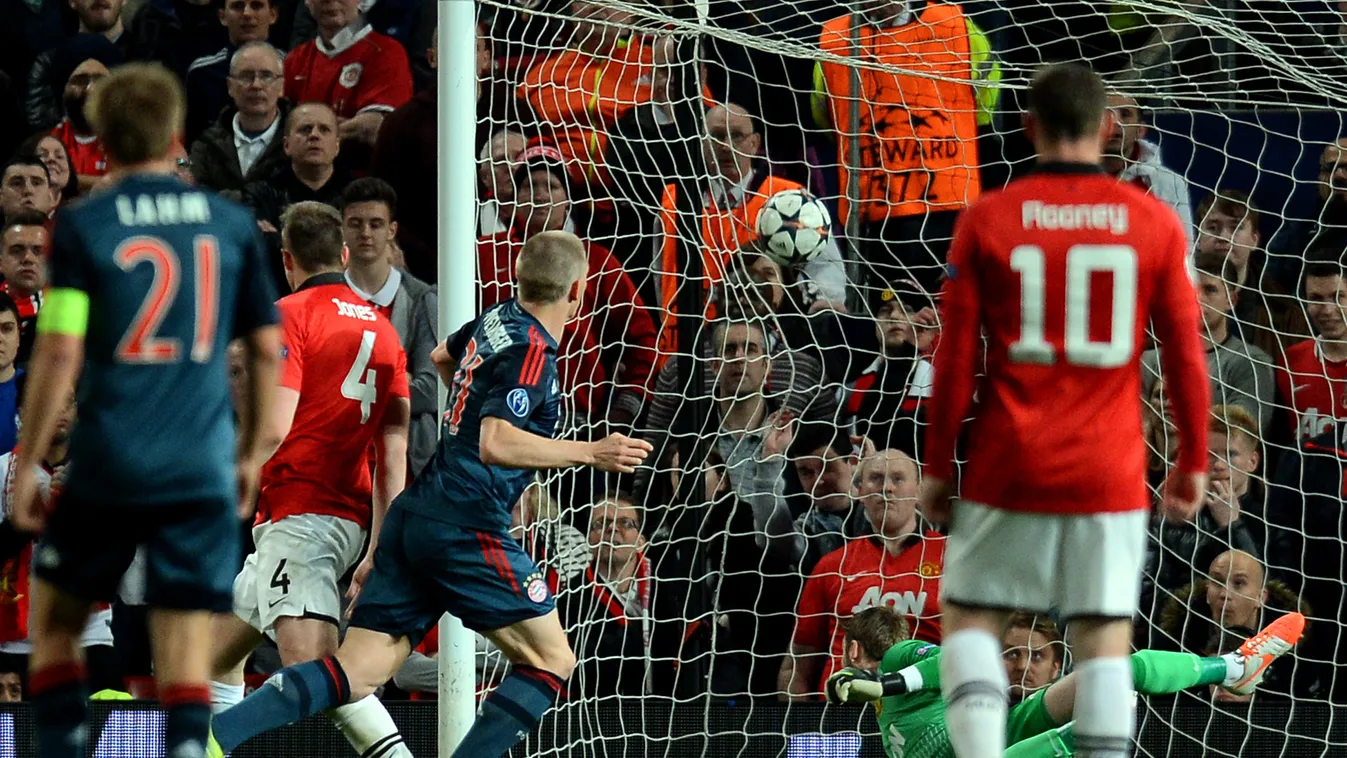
(191, 551)
(424, 567)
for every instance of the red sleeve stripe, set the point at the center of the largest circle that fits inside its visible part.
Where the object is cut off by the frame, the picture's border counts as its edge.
(534, 360)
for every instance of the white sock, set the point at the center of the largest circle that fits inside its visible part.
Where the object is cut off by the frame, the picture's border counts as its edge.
(370, 730)
(974, 682)
(1234, 667)
(1103, 712)
(224, 696)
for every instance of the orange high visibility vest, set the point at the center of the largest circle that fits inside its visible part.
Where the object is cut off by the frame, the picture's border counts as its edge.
(918, 135)
(724, 232)
(581, 96)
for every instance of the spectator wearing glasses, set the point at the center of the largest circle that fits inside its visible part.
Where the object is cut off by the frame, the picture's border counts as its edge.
(608, 612)
(246, 143)
(207, 78)
(100, 21)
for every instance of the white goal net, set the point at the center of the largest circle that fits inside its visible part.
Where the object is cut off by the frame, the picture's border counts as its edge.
(705, 595)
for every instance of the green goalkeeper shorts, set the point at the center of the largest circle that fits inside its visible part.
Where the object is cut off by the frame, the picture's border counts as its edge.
(1028, 718)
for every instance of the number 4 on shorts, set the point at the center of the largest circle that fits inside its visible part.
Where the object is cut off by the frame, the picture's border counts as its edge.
(280, 578)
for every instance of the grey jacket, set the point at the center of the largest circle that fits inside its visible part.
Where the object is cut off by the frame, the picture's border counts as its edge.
(1241, 374)
(414, 315)
(414, 318)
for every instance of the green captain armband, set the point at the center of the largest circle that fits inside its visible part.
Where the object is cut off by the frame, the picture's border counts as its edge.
(64, 311)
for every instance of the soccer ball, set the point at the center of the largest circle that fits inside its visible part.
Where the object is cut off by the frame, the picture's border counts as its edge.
(794, 226)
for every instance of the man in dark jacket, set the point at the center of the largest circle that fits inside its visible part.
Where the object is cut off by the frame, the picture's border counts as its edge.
(246, 144)
(207, 77)
(1306, 523)
(311, 143)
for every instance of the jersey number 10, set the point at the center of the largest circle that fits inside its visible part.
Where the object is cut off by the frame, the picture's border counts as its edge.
(1081, 262)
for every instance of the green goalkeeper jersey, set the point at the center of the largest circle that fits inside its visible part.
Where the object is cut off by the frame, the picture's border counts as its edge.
(912, 725)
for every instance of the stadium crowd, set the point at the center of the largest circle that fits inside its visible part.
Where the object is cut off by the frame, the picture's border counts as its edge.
(732, 572)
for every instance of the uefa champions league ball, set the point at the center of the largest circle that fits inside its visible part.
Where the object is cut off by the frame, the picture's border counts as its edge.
(794, 227)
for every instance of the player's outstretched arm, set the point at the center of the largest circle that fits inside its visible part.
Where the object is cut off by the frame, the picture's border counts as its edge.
(504, 444)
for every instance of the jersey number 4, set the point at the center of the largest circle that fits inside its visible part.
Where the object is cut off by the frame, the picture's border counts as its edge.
(1081, 262)
(141, 343)
(360, 383)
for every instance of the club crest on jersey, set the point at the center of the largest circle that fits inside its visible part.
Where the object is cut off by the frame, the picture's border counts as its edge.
(518, 401)
(350, 75)
(537, 589)
(929, 569)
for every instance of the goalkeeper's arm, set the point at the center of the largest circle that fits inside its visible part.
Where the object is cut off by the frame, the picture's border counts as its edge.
(850, 685)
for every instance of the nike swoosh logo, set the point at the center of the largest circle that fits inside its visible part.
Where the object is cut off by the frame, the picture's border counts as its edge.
(274, 603)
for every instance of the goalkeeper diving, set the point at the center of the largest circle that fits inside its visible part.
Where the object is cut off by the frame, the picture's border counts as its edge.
(901, 677)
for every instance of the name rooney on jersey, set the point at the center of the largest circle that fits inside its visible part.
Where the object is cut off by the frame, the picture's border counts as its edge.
(1109, 217)
(159, 210)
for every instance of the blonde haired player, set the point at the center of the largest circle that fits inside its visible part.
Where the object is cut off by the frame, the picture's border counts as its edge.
(445, 544)
(151, 279)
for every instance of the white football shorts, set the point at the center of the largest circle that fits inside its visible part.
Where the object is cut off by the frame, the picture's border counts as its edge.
(1076, 565)
(295, 569)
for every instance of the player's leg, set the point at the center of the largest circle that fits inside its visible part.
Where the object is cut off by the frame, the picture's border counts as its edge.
(1156, 672)
(79, 560)
(57, 683)
(389, 612)
(987, 571)
(1054, 743)
(190, 558)
(494, 581)
(542, 662)
(1100, 578)
(234, 641)
(300, 560)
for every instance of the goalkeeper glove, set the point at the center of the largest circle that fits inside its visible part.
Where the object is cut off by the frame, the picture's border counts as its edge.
(851, 685)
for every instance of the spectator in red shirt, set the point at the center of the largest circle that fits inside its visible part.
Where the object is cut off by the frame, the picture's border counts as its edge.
(609, 350)
(900, 566)
(76, 67)
(1311, 377)
(25, 186)
(362, 74)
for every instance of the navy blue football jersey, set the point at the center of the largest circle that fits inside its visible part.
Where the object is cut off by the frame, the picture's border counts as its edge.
(173, 273)
(508, 369)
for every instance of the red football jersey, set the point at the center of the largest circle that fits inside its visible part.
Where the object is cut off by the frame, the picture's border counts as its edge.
(1312, 387)
(86, 153)
(367, 71)
(862, 574)
(347, 363)
(1061, 272)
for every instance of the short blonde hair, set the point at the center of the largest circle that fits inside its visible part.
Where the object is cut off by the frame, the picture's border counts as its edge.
(549, 264)
(137, 111)
(1234, 421)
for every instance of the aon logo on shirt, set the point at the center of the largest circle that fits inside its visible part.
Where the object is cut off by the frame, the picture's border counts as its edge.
(1313, 424)
(351, 310)
(909, 603)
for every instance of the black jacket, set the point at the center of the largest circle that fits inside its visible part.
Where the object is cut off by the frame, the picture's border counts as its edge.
(270, 196)
(215, 160)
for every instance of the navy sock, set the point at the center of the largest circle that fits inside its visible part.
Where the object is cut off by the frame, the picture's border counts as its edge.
(288, 696)
(187, 721)
(60, 710)
(510, 713)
